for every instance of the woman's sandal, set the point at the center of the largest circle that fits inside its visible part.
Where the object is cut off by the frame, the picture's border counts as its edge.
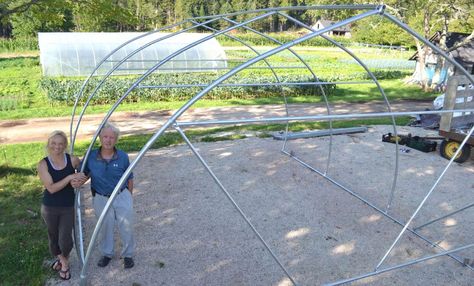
(56, 265)
(66, 273)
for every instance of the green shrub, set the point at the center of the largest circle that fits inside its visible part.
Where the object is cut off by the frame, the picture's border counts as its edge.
(389, 74)
(18, 44)
(257, 40)
(11, 102)
(65, 89)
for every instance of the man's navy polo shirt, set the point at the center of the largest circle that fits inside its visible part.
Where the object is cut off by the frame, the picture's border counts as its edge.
(105, 174)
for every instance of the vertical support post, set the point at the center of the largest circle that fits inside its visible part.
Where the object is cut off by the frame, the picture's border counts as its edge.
(78, 234)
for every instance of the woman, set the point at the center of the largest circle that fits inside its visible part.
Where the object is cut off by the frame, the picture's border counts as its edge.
(58, 174)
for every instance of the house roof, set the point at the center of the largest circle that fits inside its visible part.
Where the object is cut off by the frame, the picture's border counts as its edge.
(327, 23)
(464, 54)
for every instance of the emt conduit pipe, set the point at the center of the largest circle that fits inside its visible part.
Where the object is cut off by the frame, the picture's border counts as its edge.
(78, 237)
(81, 90)
(316, 79)
(382, 92)
(189, 104)
(77, 202)
(109, 113)
(251, 62)
(123, 61)
(462, 70)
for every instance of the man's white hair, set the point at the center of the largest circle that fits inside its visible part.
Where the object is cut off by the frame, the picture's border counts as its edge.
(112, 127)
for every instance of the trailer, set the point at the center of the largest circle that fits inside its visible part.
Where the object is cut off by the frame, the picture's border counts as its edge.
(454, 127)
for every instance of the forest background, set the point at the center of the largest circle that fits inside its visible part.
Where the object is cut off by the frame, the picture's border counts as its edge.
(23, 19)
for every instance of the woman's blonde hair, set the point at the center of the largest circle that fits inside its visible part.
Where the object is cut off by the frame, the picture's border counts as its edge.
(57, 133)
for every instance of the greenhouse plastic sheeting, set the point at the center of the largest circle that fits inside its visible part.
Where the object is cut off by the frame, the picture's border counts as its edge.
(77, 54)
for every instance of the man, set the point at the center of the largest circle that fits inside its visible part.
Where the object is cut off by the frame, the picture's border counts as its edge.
(105, 166)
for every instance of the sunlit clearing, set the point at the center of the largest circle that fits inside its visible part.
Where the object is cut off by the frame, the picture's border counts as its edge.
(166, 221)
(168, 211)
(445, 245)
(297, 233)
(218, 265)
(411, 171)
(430, 171)
(371, 218)
(271, 172)
(445, 206)
(285, 282)
(365, 281)
(225, 154)
(346, 248)
(294, 262)
(450, 222)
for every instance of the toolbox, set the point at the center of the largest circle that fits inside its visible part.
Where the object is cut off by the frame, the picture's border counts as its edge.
(415, 142)
(421, 144)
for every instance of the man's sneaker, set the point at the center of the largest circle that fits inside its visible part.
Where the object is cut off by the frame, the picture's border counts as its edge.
(104, 261)
(128, 262)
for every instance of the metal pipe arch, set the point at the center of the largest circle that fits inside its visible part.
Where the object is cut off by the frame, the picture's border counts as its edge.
(187, 105)
(284, 97)
(132, 165)
(461, 68)
(197, 97)
(77, 203)
(86, 81)
(123, 61)
(297, 8)
(384, 96)
(78, 237)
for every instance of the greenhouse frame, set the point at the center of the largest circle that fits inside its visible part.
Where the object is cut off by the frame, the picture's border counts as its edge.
(128, 52)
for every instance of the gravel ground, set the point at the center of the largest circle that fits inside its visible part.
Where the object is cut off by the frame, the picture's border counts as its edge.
(188, 232)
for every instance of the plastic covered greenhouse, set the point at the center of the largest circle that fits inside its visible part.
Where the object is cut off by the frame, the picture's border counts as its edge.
(77, 54)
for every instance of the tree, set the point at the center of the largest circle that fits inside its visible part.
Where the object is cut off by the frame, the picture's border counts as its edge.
(10, 7)
(429, 16)
(102, 15)
(376, 30)
(29, 16)
(47, 17)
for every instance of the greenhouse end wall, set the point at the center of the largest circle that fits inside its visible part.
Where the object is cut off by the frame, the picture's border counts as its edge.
(77, 54)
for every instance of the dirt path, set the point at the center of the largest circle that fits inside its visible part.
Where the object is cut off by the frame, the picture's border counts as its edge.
(37, 130)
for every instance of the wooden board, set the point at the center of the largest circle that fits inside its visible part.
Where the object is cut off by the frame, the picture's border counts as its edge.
(465, 100)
